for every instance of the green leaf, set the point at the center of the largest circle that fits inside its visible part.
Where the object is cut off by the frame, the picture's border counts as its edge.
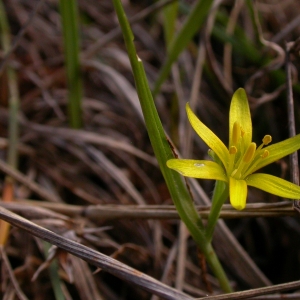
(237, 193)
(178, 191)
(180, 195)
(170, 14)
(204, 169)
(69, 19)
(274, 185)
(240, 112)
(192, 24)
(278, 150)
(210, 139)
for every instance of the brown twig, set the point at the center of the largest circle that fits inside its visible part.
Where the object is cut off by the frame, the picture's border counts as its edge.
(11, 274)
(93, 257)
(117, 31)
(294, 165)
(102, 212)
(257, 292)
(19, 36)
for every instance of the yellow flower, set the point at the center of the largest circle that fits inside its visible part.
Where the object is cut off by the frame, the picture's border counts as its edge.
(236, 164)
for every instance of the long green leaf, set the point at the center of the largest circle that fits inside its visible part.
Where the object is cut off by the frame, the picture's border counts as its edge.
(170, 15)
(192, 24)
(69, 19)
(178, 191)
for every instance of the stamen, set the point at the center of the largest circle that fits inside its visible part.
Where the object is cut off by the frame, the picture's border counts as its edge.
(265, 154)
(236, 133)
(249, 153)
(267, 139)
(255, 162)
(242, 142)
(233, 150)
(245, 161)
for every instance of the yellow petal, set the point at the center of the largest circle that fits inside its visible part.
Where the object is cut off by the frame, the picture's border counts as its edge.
(240, 112)
(211, 140)
(274, 185)
(204, 169)
(237, 193)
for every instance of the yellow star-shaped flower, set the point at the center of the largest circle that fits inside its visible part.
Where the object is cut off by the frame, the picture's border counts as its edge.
(236, 164)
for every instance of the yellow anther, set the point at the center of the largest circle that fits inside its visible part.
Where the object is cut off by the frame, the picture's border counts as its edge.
(232, 150)
(236, 133)
(249, 153)
(265, 154)
(267, 139)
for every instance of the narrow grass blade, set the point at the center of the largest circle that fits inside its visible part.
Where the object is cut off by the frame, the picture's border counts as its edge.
(54, 276)
(69, 20)
(170, 15)
(13, 126)
(194, 21)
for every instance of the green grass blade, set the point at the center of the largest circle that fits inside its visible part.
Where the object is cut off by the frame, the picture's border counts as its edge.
(170, 15)
(194, 21)
(13, 127)
(54, 276)
(178, 191)
(69, 20)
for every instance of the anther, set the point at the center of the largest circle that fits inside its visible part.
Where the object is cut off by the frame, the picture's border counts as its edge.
(265, 154)
(232, 150)
(267, 139)
(236, 133)
(249, 153)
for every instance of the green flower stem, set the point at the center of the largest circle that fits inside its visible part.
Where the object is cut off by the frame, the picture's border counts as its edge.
(177, 188)
(220, 195)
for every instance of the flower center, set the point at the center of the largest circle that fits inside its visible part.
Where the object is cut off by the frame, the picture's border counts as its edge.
(244, 158)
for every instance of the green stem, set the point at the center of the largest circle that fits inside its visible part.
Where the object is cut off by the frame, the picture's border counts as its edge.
(220, 195)
(191, 220)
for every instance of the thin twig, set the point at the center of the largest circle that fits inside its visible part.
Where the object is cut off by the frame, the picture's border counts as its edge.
(19, 36)
(11, 275)
(98, 213)
(4, 167)
(92, 50)
(294, 166)
(257, 292)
